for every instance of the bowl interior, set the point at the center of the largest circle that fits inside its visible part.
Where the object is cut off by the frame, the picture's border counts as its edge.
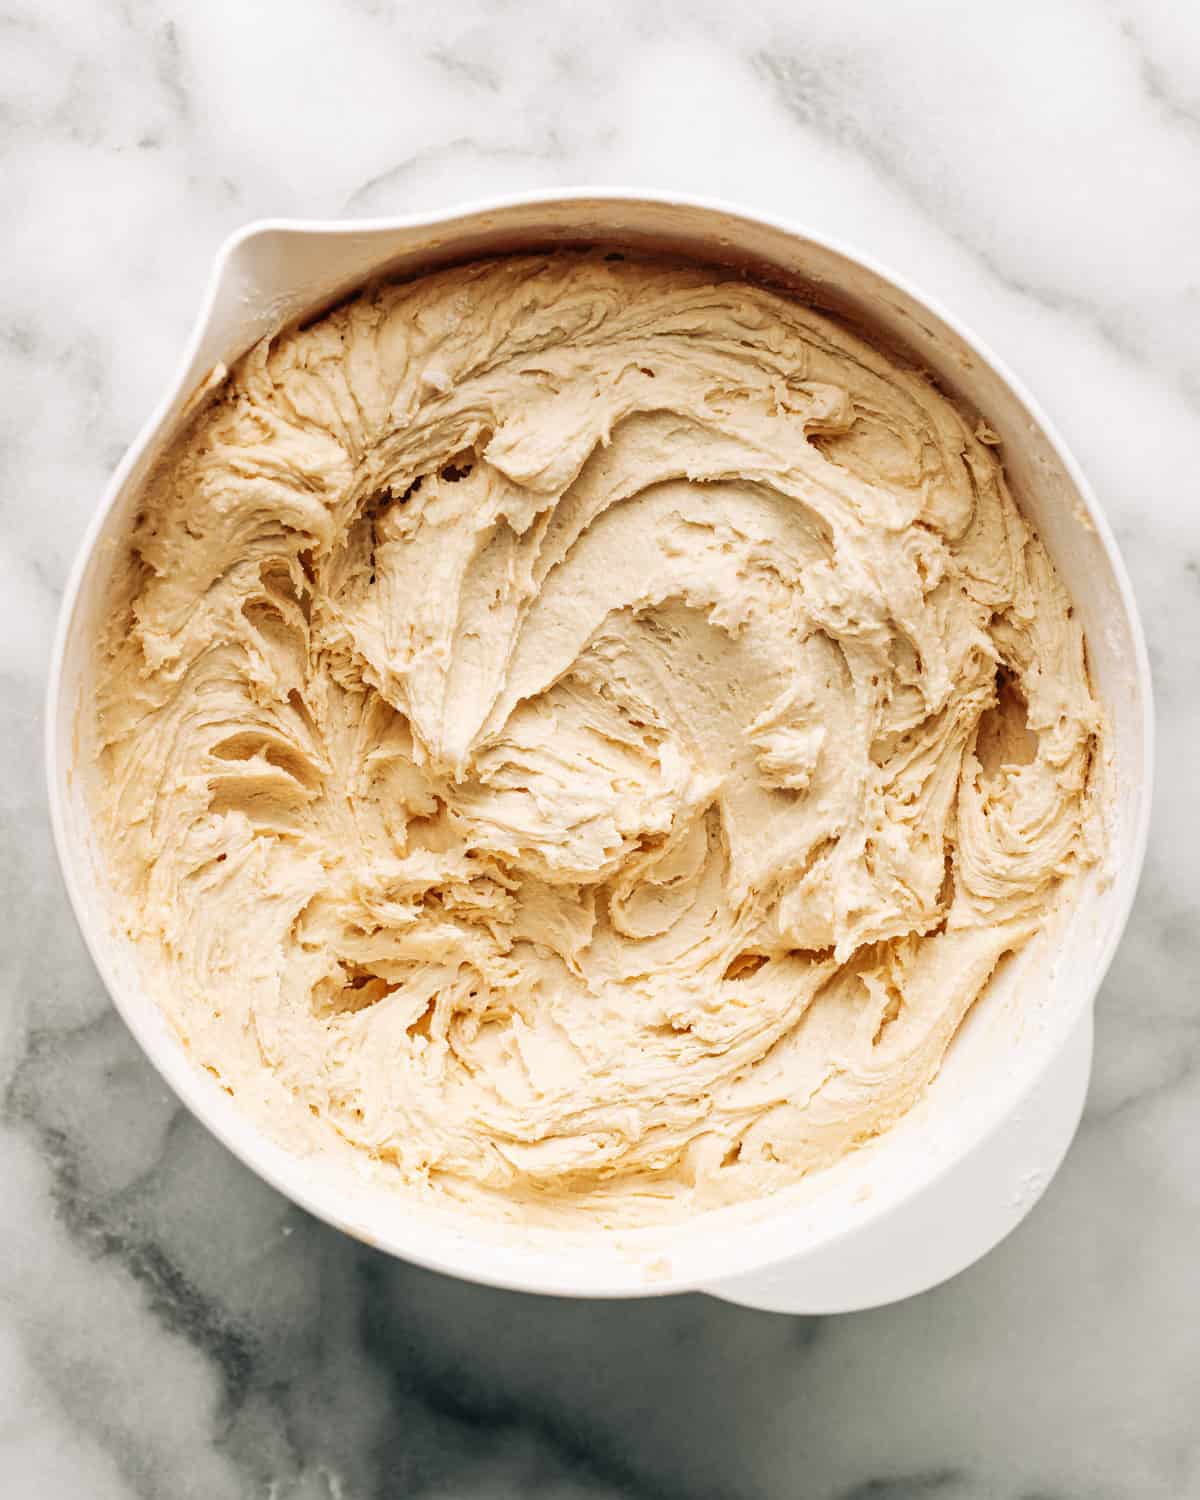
(272, 274)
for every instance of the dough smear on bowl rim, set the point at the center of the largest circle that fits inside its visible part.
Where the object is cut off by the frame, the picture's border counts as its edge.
(582, 731)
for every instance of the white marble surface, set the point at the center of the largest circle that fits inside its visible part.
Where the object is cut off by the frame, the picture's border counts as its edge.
(169, 1326)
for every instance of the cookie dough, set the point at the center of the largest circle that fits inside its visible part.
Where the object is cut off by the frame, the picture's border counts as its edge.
(581, 732)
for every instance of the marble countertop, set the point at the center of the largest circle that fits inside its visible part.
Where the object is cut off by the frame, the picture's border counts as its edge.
(169, 1326)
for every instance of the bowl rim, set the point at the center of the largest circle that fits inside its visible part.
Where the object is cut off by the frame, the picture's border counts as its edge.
(252, 1146)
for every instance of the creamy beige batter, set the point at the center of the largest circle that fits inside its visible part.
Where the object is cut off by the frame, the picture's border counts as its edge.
(584, 732)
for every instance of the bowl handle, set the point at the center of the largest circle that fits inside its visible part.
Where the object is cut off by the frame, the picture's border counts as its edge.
(955, 1220)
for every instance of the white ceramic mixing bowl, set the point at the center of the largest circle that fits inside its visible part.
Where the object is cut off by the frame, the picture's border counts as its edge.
(961, 1169)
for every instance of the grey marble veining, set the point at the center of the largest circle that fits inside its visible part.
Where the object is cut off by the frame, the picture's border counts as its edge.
(171, 1327)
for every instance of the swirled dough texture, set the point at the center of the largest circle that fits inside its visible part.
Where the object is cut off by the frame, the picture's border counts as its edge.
(583, 731)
